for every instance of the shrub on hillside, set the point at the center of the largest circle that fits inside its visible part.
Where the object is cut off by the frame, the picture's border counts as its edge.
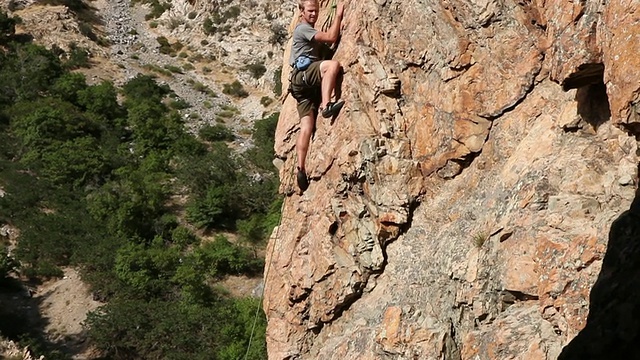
(235, 89)
(256, 69)
(277, 82)
(216, 132)
(78, 57)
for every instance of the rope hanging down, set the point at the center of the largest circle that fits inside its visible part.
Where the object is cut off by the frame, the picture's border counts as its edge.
(266, 273)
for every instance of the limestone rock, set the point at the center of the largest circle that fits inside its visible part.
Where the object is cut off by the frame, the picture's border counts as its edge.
(10, 350)
(460, 204)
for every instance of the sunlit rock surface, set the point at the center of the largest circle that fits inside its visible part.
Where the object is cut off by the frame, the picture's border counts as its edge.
(461, 203)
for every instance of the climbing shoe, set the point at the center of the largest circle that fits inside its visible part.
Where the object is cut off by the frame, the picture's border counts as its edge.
(332, 109)
(303, 182)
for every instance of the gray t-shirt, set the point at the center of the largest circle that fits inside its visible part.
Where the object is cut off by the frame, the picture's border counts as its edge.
(303, 43)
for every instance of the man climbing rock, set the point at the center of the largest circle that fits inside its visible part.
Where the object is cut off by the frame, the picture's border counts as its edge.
(312, 74)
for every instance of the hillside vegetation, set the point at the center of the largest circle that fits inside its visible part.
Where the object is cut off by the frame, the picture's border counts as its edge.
(91, 182)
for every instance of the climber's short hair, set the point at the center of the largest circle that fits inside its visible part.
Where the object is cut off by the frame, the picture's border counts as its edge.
(302, 2)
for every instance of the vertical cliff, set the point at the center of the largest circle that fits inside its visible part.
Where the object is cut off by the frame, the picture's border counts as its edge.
(475, 186)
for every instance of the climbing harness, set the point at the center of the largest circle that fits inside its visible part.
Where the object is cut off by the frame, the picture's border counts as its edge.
(304, 64)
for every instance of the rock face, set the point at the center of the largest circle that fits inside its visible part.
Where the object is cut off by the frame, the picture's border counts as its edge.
(9, 350)
(477, 183)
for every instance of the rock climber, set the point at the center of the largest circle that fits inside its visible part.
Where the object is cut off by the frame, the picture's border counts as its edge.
(312, 74)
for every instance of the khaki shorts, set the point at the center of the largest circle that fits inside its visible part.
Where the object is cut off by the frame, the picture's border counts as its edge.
(305, 88)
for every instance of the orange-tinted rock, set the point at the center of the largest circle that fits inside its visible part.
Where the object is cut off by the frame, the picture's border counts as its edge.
(467, 215)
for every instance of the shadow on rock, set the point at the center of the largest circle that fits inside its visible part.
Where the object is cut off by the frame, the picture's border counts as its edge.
(613, 325)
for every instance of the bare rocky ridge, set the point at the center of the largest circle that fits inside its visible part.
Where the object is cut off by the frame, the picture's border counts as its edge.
(134, 48)
(470, 193)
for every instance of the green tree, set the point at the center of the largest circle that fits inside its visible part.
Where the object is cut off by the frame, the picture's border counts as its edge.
(74, 162)
(236, 333)
(158, 329)
(7, 27)
(153, 129)
(214, 210)
(214, 168)
(129, 205)
(79, 56)
(262, 154)
(50, 128)
(68, 86)
(101, 99)
(28, 72)
(144, 87)
(216, 132)
(147, 269)
(225, 258)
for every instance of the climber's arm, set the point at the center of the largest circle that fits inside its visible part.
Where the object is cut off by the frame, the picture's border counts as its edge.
(332, 35)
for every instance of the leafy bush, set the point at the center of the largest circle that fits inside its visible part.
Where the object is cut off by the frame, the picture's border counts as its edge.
(87, 30)
(7, 27)
(208, 27)
(157, 9)
(28, 72)
(101, 100)
(235, 89)
(67, 86)
(225, 258)
(278, 34)
(78, 57)
(134, 328)
(216, 132)
(144, 88)
(231, 13)
(175, 23)
(216, 209)
(158, 69)
(196, 57)
(262, 154)
(266, 101)
(183, 237)
(256, 69)
(277, 82)
(179, 104)
(198, 86)
(173, 69)
(177, 46)
(165, 46)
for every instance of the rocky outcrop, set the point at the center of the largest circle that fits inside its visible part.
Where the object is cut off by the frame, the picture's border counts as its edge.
(9, 350)
(246, 33)
(461, 204)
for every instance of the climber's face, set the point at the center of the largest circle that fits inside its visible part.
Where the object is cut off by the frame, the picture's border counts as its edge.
(310, 12)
